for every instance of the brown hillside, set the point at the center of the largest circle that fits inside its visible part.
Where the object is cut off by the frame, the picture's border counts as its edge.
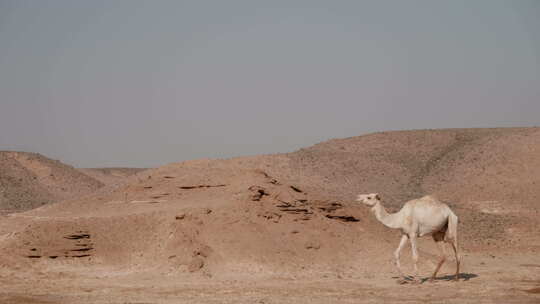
(407, 164)
(29, 180)
(109, 176)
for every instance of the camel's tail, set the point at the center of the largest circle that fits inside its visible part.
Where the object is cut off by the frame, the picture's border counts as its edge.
(451, 232)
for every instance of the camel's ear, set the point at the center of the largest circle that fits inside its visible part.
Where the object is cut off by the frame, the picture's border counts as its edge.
(377, 197)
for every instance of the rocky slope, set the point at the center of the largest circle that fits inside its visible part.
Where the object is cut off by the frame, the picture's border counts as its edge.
(29, 180)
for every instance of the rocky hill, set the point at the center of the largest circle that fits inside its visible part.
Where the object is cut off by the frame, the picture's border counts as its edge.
(30, 180)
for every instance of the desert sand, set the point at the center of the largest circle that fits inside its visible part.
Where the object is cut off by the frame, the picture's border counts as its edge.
(280, 228)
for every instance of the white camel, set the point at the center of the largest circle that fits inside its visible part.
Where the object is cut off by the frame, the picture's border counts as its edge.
(418, 217)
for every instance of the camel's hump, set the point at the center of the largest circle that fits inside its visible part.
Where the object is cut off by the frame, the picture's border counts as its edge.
(429, 197)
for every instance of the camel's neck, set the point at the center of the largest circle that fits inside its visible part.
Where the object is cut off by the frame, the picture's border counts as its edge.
(389, 220)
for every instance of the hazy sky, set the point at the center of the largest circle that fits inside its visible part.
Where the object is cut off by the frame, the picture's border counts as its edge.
(144, 83)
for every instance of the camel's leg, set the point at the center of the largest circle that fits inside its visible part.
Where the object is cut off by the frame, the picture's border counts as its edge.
(442, 252)
(414, 250)
(458, 259)
(396, 257)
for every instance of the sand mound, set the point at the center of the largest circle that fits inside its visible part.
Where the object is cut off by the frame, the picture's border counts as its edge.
(204, 216)
(29, 180)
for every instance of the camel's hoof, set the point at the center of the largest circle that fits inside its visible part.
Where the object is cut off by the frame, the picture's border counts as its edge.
(432, 280)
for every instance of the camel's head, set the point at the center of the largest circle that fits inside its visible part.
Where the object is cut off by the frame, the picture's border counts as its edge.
(369, 199)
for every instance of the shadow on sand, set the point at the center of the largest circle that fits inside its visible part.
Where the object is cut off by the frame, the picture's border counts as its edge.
(462, 277)
(448, 278)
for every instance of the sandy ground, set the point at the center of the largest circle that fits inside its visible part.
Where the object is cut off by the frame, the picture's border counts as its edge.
(486, 280)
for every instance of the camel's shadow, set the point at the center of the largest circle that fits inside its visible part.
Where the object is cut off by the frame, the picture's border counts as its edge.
(462, 277)
(448, 278)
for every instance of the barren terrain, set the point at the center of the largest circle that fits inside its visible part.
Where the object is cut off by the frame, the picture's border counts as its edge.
(30, 180)
(109, 176)
(283, 228)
